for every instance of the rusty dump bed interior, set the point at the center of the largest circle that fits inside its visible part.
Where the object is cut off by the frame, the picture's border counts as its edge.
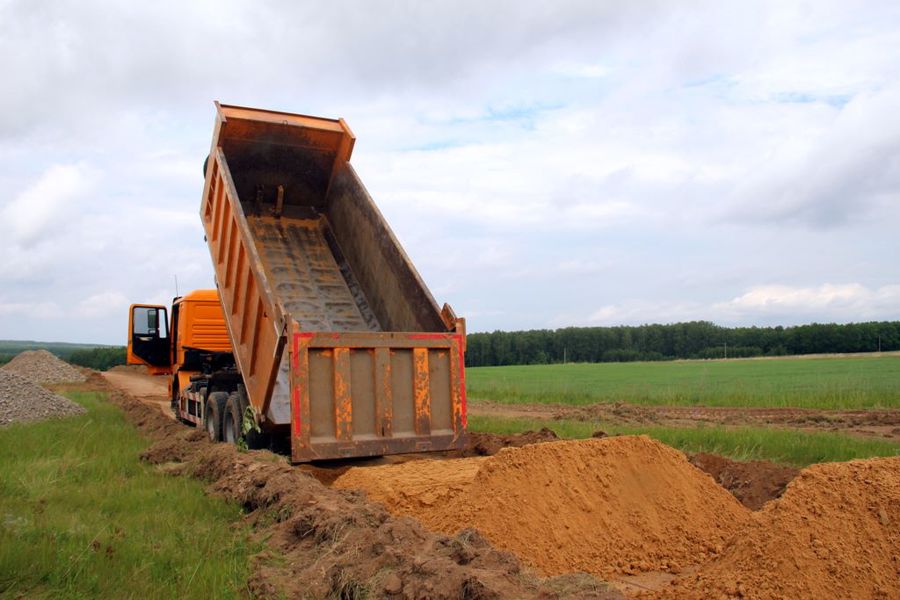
(311, 277)
(334, 331)
(330, 258)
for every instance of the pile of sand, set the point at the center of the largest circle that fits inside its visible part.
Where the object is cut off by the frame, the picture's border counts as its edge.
(835, 533)
(602, 506)
(22, 400)
(41, 366)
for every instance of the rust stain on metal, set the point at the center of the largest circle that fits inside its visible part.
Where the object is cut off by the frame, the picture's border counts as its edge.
(421, 391)
(343, 406)
(384, 398)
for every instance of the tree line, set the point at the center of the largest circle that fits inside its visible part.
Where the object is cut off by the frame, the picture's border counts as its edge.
(100, 359)
(697, 339)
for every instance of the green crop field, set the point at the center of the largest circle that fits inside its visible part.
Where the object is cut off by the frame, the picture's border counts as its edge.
(82, 517)
(824, 383)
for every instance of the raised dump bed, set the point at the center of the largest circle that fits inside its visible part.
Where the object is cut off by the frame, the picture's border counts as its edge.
(337, 339)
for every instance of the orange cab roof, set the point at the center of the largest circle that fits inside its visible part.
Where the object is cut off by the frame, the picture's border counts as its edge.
(202, 295)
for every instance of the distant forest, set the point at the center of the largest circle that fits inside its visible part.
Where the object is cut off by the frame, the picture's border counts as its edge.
(697, 339)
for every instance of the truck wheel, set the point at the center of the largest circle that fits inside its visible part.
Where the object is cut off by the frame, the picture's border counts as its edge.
(254, 439)
(232, 419)
(212, 416)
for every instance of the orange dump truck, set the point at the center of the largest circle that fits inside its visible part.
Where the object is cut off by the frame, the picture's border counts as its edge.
(336, 344)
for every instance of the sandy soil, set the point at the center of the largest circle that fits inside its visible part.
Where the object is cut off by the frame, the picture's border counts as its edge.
(609, 507)
(323, 543)
(152, 390)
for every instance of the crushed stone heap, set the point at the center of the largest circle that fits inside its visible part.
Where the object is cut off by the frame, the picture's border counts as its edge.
(23, 400)
(617, 505)
(41, 366)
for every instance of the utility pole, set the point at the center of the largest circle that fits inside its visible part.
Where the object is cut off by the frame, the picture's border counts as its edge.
(879, 342)
(565, 351)
(726, 350)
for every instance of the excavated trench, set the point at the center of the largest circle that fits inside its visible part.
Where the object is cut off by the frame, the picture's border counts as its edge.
(552, 520)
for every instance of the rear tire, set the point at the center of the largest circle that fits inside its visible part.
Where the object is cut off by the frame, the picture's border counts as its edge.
(212, 416)
(232, 419)
(235, 410)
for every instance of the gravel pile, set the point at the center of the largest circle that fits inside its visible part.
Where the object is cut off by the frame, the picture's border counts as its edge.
(23, 400)
(41, 366)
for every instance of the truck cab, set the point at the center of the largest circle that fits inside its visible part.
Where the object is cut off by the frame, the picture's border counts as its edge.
(190, 347)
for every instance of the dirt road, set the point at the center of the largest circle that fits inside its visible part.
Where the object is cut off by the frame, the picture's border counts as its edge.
(152, 390)
(867, 423)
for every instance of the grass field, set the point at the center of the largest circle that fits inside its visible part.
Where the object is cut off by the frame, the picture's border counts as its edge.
(824, 383)
(82, 517)
(741, 443)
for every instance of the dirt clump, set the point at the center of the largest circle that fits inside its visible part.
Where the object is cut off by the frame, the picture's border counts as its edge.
(22, 400)
(618, 505)
(753, 482)
(41, 366)
(835, 533)
(488, 444)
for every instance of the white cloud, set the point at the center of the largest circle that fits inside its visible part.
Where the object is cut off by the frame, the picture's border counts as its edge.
(111, 304)
(761, 305)
(839, 302)
(656, 160)
(583, 70)
(40, 310)
(46, 205)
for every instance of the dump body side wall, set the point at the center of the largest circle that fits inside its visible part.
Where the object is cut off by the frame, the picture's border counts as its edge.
(395, 291)
(255, 324)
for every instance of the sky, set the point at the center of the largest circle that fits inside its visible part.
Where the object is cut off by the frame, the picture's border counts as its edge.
(544, 164)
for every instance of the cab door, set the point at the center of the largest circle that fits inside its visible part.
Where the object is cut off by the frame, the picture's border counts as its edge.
(148, 336)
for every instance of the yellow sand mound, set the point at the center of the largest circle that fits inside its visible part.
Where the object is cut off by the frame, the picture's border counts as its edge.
(603, 506)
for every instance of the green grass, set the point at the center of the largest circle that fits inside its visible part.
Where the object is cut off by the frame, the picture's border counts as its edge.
(741, 443)
(82, 517)
(825, 383)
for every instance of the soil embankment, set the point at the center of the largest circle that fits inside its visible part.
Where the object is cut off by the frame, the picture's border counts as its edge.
(834, 534)
(619, 505)
(625, 508)
(328, 543)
